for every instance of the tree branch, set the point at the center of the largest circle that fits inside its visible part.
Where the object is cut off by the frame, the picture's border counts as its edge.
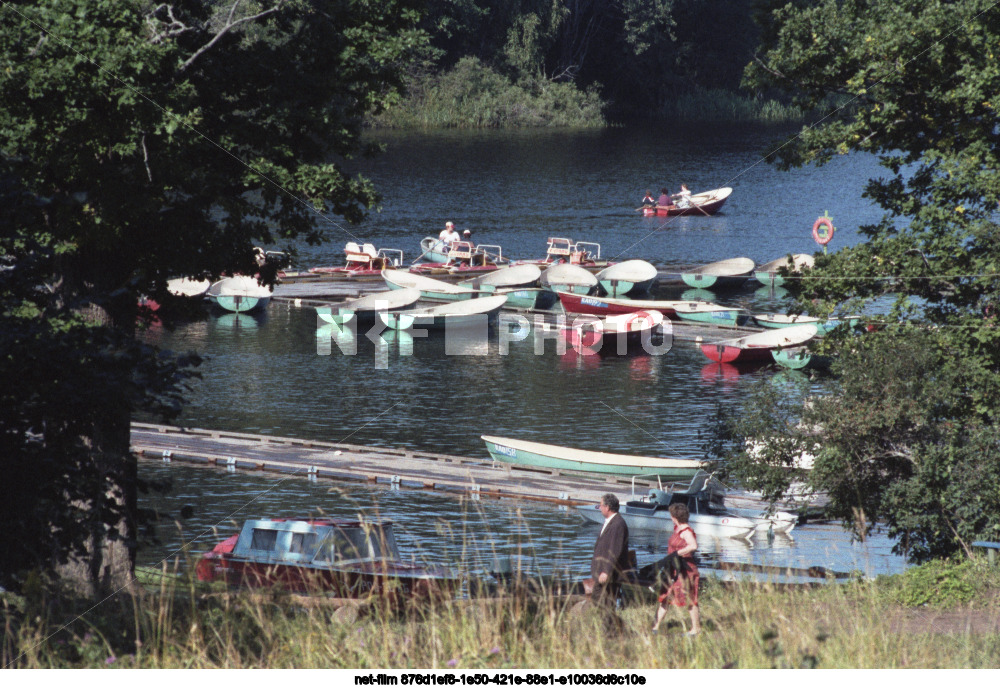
(229, 26)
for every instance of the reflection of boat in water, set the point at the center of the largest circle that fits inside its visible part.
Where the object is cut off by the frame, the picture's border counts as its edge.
(350, 559)
(710, 516)
(237, 321)
(364, 310)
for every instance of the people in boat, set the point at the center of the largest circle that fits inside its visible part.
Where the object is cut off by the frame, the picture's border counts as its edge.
(648, 199)
(467, 235)
(683, 590)
(664, 199)
(683, 198)
(448, 236)
(611, 559)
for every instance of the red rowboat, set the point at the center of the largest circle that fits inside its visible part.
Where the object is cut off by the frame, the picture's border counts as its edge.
(758, 347)
(704, 203)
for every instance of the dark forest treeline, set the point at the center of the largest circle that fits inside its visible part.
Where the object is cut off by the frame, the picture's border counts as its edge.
(495, 63)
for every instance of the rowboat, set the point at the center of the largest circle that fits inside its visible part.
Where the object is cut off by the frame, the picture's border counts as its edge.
(365, 310)
(708, 518)
(767, 274)
(618, 334)
(523, 275)
(795, 358)
(342, 558)
(567, 277)
(758, 347)
(528, 453)
(609, 306)
(363, 260)
(707, 312)
(563, 250)
(627, 277)
(239, 294)
(188, 287)
(780, 320)
(429, 288)
(702, 203)
(728, 274)
(434, 250)
(473, 312)
(529, 297)
(464, 258)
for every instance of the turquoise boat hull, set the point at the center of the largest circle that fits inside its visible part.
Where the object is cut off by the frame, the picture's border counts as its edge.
(796, 358)
(621, 288)
(239, 303)
(727, 317)
(530, 298)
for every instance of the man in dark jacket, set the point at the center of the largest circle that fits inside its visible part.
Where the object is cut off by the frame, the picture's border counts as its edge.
(611, 559)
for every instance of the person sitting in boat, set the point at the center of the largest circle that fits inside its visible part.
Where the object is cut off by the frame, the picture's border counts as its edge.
(467, 235)
(664, 199)
(683, 198)
(648, 199)
(683, 590)
(448, 236)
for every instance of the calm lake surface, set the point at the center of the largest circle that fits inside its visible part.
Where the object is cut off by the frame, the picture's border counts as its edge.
(263, 374)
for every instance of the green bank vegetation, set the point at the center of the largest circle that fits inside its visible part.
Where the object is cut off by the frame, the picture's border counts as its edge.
(891, 622)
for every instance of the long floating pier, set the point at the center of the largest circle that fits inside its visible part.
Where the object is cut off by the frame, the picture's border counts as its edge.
(318, 460)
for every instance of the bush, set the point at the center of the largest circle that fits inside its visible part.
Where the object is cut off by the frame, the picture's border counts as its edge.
(474, 96)
(944, 583)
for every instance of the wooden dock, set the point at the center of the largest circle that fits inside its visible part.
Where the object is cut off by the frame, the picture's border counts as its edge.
(317, 460)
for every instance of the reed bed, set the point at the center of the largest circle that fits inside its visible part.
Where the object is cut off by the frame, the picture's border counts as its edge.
(174, 623)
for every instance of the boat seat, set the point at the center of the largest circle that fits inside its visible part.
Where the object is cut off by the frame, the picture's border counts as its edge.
(370, 250)
(352, 248)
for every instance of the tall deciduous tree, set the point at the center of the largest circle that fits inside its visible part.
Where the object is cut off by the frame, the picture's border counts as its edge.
(157, 140)
(909, 436)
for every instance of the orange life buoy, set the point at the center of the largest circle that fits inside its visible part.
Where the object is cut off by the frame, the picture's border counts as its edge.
(827, 234)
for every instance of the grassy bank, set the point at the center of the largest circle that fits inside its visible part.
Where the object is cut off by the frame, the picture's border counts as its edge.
(893, 622)
(716, 105)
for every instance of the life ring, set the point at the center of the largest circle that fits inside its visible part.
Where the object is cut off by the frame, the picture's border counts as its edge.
(634, 317)
(827, 224)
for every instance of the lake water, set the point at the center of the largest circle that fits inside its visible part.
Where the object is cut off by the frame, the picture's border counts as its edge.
(264, 374)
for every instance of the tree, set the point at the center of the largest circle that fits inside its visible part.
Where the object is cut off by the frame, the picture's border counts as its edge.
(162, 140)
(908, 436)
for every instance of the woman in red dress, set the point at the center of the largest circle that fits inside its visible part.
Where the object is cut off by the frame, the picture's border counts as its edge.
(684, 588)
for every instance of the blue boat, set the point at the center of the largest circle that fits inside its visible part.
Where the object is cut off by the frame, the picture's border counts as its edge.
(728, 274)
(628, 277)
(239, 294)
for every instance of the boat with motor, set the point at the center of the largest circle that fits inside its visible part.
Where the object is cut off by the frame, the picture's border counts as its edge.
(545, 456)
(343, 558)
(710, 517)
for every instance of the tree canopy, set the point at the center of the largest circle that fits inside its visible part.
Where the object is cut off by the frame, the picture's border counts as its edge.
(908, 436)
(140, 142)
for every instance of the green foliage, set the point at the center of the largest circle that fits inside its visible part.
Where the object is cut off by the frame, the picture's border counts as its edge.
(909, 436)
(141, 142)
(945, 583)
(474, 96)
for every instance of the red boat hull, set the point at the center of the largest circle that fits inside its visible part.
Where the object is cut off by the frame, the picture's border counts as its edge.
(578, 303)
(727, 354)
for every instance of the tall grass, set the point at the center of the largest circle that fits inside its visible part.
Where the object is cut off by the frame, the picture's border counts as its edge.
(717, 105)
(176, 624)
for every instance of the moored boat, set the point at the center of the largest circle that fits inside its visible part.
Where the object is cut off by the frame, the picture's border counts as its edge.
(707, 312)
(344, 558)
(430, 289)
(464, 258)
(188, 287)
(528, 453)
(823, 327)
(567, 277)
(628, 277)
(239, 294)
(727, 274)
(363, 260)
(609, 306)
(509, 277)
(364, 310)
(618, 334)
(702, 203)
(768, 274)
(563, 250)
(467, 313)
(758, 347)
(529, 298)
